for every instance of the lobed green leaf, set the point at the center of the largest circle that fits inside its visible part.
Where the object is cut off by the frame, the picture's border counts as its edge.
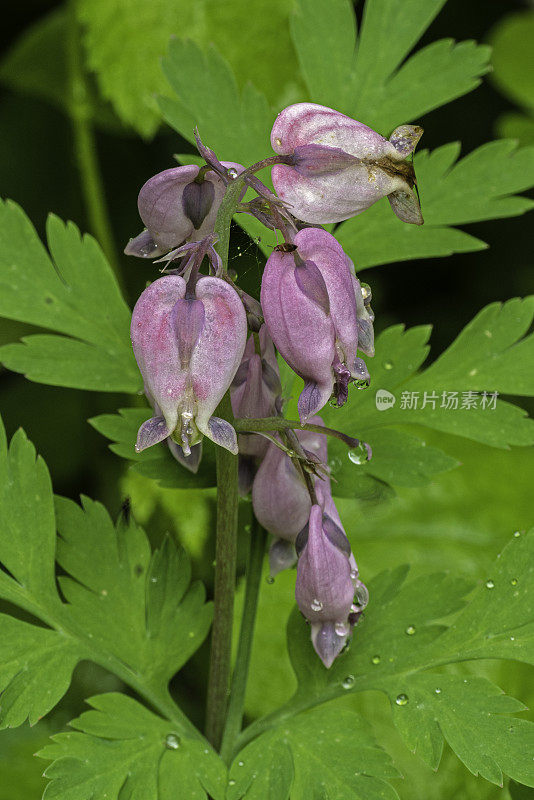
(63, 291)
(120, 749)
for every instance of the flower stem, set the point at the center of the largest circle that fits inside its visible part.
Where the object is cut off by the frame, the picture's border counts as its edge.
(239, 681)
(85, 147)
(225, 568)
(227, 513)
(282, 424)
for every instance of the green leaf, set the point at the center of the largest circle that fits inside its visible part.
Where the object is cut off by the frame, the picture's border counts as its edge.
(399, 458)
(512, 41)
(156, 462)
(325, 35)
(479, 187)
(368, 82)
(127, 610)
(120, 749)
(236, 124)
(488, 356)
(403, 635)
(36, 666)
(325, 753)
(63, 292)
(130, 76)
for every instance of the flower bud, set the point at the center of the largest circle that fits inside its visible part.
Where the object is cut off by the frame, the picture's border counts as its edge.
(177, 205)
(308, 296)
(188, 350)
(324, 590)
(340, 166)
(280, 499)
(255, 389)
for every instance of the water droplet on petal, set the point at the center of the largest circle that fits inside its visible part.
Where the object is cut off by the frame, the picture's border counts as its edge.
(342, 628)
(232, 173)
(490, 584)
(375, 659)
(410, 630)
(401, 699)
(359, 454)
(172, 741)
(354, 574)
(316, 605)
(348, 682)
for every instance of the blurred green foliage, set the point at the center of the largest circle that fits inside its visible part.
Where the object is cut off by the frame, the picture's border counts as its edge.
(512, 43)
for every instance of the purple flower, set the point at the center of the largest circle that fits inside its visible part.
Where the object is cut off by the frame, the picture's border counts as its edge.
(324, 590)
(188, 346)
(177, 205)
(309, 302)
(340, 166)
(281, 500)
(256, 389)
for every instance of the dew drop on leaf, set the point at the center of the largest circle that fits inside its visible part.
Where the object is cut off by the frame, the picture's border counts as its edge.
(359, 455)
(517, 534)
(410, 630)
(269, 579)
(490, 584)
(375, 659)
(348, 682)
(388, 364)
(437, 691)
(172, 741)
(514, 581)
(402, 699)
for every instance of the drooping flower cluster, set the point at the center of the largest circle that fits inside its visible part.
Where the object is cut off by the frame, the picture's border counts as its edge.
(197, 337)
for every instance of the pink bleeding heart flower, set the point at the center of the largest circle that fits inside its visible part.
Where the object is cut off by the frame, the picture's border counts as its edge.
(188, 349)
(280, 499)
(340, 166)
(178, 205)
(327, 582)
(310, 308)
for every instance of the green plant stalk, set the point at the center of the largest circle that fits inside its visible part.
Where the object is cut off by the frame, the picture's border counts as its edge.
(266, 424)
(85, 150)
(227, 513)
(234, 717)
(225, 571)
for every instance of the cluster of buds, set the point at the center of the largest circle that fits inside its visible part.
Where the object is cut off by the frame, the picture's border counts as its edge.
(198, 336)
